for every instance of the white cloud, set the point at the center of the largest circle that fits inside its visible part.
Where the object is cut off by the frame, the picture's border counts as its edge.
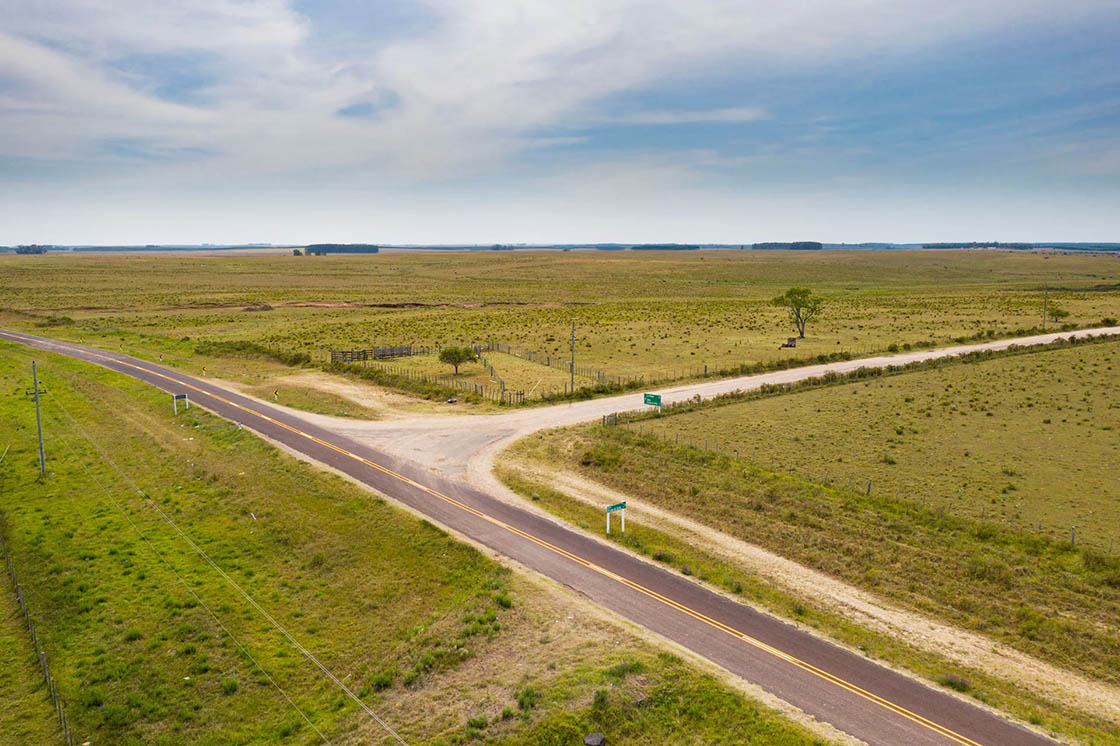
(470, 91)
(661, 116)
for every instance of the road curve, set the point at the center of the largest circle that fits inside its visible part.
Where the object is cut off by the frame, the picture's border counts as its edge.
(852, 693)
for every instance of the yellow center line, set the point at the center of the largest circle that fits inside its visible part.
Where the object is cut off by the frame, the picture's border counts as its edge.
(754, 642)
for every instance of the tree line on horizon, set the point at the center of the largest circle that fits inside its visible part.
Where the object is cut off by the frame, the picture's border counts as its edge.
(790, 245)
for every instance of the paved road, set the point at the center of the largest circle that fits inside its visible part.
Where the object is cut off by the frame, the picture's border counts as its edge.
(854, 694)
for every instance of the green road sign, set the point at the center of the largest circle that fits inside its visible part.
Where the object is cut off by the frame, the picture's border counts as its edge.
(619, 508)
(654, 400)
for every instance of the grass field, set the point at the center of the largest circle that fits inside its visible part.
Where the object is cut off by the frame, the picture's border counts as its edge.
(311, 400)
(150, 644)
(26, 713)
(535, 379)
(1030, 439)
(1040, 594)
(636, 314)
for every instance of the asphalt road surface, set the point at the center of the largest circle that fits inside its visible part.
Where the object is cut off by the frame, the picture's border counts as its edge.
(852, 693)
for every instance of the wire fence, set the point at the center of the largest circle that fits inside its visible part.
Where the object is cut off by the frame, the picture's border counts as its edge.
(496, 393)
(1074, 533)
(595, 375)
(490, 369)
(587, 378)
(56, 699)
(377, 353)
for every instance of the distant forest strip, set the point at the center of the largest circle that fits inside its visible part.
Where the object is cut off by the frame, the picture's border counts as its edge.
(342, 248)
(978, 245)
(788, 245)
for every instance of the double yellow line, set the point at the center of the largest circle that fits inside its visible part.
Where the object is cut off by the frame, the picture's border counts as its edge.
(716, 624)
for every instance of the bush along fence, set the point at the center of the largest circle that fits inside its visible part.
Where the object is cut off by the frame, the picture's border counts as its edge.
(56, 700)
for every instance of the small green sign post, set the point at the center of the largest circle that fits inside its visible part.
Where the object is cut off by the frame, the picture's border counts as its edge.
(653, 400)
(617, 508)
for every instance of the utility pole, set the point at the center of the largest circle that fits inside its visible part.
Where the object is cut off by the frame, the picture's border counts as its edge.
(1045, 297)
(572, 362)
(39, 421)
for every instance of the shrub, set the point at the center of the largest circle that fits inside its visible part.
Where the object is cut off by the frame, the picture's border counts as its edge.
(528, 698)
(504, 600)
(241, 348)
(115, 715)
(229, 686)
(56, 320)
(382, 680)
(477, 723)
(1097, 561)
(93, 697)
(132, 635)
(953, 681)
(602, 456)
(622, 670)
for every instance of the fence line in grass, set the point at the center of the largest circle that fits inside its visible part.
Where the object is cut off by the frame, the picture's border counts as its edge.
(56, 699)
(1073, 533)
(490, 369)
(594, 378)
(377, 353)
(589, 376)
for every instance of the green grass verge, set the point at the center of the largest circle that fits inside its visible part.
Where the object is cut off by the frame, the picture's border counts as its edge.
(136, 657)
(637, 702)
(312, 400)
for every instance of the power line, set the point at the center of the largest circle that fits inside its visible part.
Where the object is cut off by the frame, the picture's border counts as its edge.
(253, 602)
(187, 585)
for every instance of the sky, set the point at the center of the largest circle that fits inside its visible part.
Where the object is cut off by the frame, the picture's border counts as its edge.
(525, 121)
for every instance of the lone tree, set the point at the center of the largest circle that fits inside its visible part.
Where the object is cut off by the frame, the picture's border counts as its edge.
(457, 356)
(802, 305)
